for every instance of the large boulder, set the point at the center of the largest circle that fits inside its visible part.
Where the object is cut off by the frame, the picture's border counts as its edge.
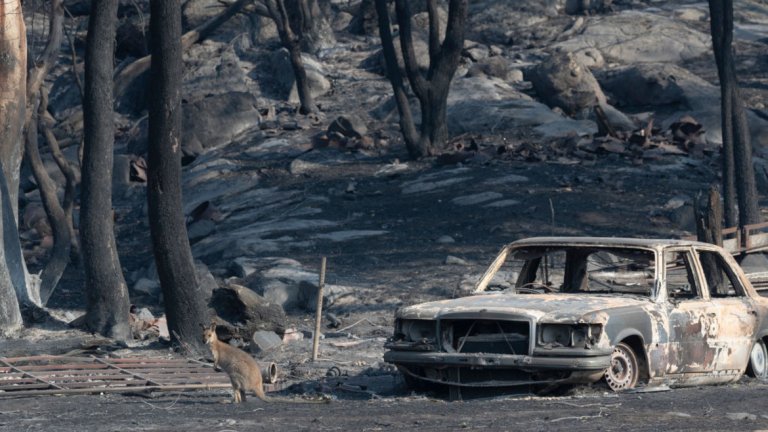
(647, 84)
(675, 92)
(482, 104)
(216, 120)
(637, 36)
(285, 80)
(207, 123)
(561, 81)
(197, 12)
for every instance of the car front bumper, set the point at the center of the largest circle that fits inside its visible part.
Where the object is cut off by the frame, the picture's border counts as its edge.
(492, 370)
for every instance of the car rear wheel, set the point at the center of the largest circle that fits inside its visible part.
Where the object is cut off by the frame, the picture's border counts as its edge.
(758, 361)
(623, 372)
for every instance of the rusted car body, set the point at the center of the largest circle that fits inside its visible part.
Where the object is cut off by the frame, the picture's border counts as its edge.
(561, 310)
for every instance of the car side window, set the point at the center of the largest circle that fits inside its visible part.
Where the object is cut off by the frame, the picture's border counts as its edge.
(721, 281)
(681, 284)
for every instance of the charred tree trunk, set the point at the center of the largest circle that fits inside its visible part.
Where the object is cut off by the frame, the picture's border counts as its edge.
(60, 224)
(709, 218)
(431, 88)
(740, 191)
(13, 78)
(66, 168)
(57, 263)
(311, 24)
(185, 304)
(407, 127)
(292, 42)
(107, 294)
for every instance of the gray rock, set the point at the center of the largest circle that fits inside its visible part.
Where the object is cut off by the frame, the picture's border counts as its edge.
(341, 21)
(243, 267)
(278, 281)
(561, 81)
(197, 12)
(483, 104)
(633, 36)
(280, 64)
(511, 178)
(446, 239)
(498, 67)
(147, 287)
(331, 295)
(453, 260)
(217, 120)
(206, 283)
(590, 58)
(200, 229)
(347, 235)
(741, 416)
(574, 7)
(322, 159)
(264, 341)
(285, 295)
(468, 200)
(646, 84)
(214, 68)
(754, 262)
(502, 203)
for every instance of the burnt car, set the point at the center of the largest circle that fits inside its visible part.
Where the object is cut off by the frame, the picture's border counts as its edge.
(565, 310)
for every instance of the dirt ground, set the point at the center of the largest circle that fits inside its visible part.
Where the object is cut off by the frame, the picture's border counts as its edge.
(735, 407)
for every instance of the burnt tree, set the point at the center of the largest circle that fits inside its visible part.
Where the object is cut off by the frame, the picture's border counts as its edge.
(13, 77)
(739, 190)
(431, 88)
(185, 306)
(57, 217)
(106, 292)
(311, 24)
(291, 40)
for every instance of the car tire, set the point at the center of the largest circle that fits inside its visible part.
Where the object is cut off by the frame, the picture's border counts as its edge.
(758, 361)
(624, 371)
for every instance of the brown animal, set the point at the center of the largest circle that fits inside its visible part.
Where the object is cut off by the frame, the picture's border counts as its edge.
(243, 371)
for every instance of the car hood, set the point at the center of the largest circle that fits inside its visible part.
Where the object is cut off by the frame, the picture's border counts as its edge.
(594, 308)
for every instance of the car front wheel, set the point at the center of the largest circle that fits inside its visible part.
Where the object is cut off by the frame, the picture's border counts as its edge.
(623, 372)
(758, 361)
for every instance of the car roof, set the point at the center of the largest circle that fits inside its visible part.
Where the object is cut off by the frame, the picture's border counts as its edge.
(607, 241)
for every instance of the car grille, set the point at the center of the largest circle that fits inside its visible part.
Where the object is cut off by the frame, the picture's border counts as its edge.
(486, 336)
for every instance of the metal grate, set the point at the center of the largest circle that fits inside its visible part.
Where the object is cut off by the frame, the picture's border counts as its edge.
(57, 375)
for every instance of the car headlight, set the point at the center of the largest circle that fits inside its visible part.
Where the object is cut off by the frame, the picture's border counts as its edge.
(554, 334)
(569, 335)
(417, 330)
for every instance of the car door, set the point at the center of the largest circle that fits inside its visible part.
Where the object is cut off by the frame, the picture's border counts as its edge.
(736, 313)
(692, 316)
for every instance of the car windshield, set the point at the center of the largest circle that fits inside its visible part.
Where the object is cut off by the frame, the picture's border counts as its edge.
(572, 269)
